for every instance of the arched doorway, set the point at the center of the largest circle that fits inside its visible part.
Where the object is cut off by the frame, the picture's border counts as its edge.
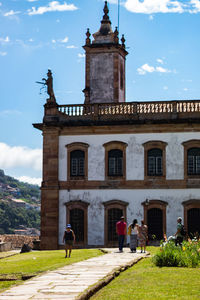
(114, 215)
(76, 220)
(77, 216)
(192, 217)
(155, 223)
(155, 218)
(114, 209)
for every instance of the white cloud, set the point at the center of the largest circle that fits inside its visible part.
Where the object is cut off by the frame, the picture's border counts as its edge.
(31, 180)
(185, 89)
(145, 69)
(52, 6)
(81, 55)
(71, 47)
(150, 69)
(160, 61)
(165, 87)
(19, 156)
(11, 13)
(195, 6)
(0, 3)
(4, 40)
(155, 6)
(32, 0)
(10, 112)
(162, 70)
(3, 53)
(151, 17)
(53, 41)
(65, 40)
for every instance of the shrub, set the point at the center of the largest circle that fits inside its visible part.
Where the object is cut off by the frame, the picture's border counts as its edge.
(170, 255)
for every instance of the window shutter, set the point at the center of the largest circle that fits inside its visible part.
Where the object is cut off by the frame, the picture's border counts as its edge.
(159, 166)
(119, 164)
(151, 165)
(81, 167)
(191, 165)
(197, 164)
(74, 167)
(111, 166)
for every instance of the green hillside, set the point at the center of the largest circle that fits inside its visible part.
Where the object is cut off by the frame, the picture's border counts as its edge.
(12, 215)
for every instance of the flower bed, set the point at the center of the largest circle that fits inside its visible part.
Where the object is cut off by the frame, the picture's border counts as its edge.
(170, 255)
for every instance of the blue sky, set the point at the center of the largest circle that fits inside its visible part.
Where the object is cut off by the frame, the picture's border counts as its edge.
(162, 38)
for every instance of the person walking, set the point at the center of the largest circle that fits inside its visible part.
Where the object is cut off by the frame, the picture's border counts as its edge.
(68, 239)
(142, 235)
(121, 232)
(133, 232)
(178, 234)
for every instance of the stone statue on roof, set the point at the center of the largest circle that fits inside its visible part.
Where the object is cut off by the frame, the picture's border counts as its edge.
(49, 83)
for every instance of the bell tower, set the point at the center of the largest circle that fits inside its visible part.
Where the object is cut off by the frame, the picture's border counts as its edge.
(105, 64)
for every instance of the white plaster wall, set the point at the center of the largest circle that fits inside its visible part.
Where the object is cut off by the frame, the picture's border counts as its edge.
(134, 209)
(134, 153)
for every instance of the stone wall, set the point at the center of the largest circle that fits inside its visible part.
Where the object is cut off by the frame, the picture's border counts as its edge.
(17, 241)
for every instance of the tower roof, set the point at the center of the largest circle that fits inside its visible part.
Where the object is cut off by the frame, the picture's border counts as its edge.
(105, 33)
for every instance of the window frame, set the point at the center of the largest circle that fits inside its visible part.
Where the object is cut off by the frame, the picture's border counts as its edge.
(154, 145)
(73, 147)
(115, 145)
(189, 145)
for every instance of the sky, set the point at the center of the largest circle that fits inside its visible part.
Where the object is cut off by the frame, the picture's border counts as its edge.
(162, 38)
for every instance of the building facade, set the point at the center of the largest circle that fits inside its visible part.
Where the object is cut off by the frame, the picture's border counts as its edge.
(107, 157)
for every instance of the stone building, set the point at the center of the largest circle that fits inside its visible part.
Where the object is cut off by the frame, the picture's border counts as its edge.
(107, 157)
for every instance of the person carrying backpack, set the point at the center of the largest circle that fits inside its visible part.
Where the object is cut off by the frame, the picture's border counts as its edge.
(68, 239)
(180, 233)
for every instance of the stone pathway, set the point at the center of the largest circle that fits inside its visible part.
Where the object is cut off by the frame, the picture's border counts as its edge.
(69, 281)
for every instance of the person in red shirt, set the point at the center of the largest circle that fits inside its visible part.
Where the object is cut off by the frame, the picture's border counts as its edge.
(121, 231)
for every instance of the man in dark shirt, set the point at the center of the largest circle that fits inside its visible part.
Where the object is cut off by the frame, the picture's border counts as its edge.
(121, 231)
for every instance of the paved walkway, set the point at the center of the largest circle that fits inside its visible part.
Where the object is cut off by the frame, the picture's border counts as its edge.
(69, 281)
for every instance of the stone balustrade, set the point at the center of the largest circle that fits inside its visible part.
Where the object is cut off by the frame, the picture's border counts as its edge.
(130, 108)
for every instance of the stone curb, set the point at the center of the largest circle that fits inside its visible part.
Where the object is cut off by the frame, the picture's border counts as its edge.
(107, 279)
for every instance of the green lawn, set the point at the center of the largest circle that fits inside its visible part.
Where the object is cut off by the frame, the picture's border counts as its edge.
(146, 281)
(39, 261)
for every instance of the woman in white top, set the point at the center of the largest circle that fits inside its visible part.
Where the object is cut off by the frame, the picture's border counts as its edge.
(133, 232)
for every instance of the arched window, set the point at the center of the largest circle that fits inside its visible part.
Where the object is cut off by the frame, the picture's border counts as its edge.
(77, 163)
(115, 162)
(193, 161)
(154, 165)
(155, 159)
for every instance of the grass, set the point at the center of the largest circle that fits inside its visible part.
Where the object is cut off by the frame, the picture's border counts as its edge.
(34, 263)
(146, 281)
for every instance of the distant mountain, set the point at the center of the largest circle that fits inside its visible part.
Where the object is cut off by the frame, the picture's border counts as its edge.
(11, 187)
(19, 204)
